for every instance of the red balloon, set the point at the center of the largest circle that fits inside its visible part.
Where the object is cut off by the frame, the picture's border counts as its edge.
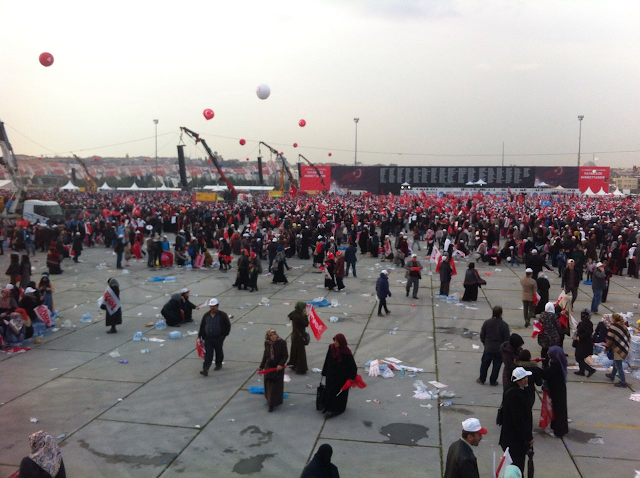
(96, 159)
(302, 123)
(46, 59)
(208, 114)
(329, 154)
(242, 142)
(208, 160)
(247, 159)
(295, 145)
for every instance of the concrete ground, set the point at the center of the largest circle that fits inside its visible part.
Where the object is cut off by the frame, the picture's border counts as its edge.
(156, 416)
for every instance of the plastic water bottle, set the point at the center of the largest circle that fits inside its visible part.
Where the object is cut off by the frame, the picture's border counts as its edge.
(170, 279)
(137, 337)
(144, 351)
(175, 335)
(86, 318)
(161, 324)
(401, 373)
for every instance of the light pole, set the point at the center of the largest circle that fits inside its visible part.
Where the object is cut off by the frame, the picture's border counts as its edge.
(355, 161)
(155, 121)
(580, 118)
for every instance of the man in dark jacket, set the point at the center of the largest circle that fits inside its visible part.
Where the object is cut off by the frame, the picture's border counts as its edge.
(598, 284)
(413, 275)
(214, 328)
(445, 276)
(571, 280)
(517, 422)
(77, 246)
(494, 332)
(382, 291)
(350, 258)
(461, 462)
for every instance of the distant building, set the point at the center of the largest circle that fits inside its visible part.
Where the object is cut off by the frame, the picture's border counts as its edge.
(628, 182)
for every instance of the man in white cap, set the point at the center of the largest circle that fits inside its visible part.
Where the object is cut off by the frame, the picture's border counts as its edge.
(517, 422)
(461, 462)
(214, 328)
(529, 290)
(413, 275)
(598, 285)
(382, 291)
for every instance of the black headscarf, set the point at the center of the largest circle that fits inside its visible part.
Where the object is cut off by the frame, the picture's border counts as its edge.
(516, 341)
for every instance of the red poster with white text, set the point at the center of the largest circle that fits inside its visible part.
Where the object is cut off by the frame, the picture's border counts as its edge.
(595, 178)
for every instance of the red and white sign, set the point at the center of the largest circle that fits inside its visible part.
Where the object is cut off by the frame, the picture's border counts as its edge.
(43, 314)
(111, 301)
(595, 178)
(310, 181)
(317, 325)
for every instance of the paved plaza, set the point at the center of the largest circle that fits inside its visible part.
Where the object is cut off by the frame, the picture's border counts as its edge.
(156, 416)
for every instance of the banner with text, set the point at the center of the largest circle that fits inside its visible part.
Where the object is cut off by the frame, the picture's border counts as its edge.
(594, 178)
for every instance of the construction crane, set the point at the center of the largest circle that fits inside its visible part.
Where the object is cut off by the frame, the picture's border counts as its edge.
(285, 168)
(316, 170)
(213, 159)
(93, 185)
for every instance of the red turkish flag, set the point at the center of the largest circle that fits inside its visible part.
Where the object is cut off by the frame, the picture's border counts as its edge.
(546, 413)
(317, 326)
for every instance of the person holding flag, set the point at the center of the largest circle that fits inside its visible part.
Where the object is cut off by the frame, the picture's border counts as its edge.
(461, 462)
(339, 366)
(111, 305)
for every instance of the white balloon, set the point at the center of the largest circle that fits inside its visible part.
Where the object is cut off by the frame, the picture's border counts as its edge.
(263, 91)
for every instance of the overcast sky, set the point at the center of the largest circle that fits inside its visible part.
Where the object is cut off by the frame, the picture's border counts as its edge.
(424, 77)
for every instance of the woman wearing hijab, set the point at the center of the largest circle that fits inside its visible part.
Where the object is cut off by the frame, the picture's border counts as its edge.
(543, 290)
(54, 261)
(299, 322)
(472, 282)
(550, 334)
(116, 318)
(278, 265)
(29, 302)
(45, 287)
(512, 471)
(8, 302)
(618, 339)
(556, 378)
(45, 461)
(584, 344)
(320, 465)
(330, 265)
(25, 271)
(13, 271)
(15, 328)
(510, 352)
(275, 356)
(339, 366)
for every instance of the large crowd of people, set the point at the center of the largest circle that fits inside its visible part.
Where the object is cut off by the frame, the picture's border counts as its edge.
(573, 236)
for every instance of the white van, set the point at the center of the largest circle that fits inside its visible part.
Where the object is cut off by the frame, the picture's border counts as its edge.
(42, 211)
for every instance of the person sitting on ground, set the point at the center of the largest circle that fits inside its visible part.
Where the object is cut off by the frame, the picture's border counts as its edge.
(45, 461)
(172, 311)
(320, 465)
(187, 305)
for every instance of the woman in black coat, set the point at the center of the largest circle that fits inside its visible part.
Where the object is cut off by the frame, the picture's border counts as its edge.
(543, 290)
(339, 365)
(116, 318)
(275, 356)
(472, 282)
(299, 322)
(320, 466)
(584, 343)
(556, 377)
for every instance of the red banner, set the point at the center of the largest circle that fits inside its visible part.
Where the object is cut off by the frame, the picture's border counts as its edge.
(310, 181)
(594, 178)
(317, 326)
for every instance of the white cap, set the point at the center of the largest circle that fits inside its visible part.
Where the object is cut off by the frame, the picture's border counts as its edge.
(534, 251)
(213, 302)
(181, 231)
(274, 240)
(528, 270)
(184, 291)
(414, 255)
(319, 237)
(519, 373)
(29, 290)
(149, 227)
(385, 272)
(9, 286)
(473, 425)
(77, 233)
(570, 261)
(599, 264)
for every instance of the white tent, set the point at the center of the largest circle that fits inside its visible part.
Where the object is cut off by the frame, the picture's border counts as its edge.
(7, 184)
(480, 182)
(164, 187)
(543, 185)
(589, 192)
(602, 192)
(470, 183)
(559, 187)
(70, 186)
(617, 192)
(105, 187)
